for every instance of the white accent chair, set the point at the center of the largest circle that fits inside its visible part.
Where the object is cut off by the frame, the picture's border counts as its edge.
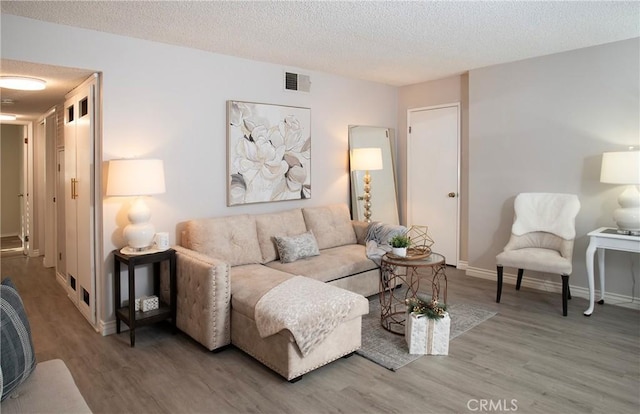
(542, 238)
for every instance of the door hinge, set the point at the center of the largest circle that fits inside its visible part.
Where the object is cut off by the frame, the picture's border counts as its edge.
(409, 129)
(26, 238)
(54, 199)
(58, 167)
(26, 140)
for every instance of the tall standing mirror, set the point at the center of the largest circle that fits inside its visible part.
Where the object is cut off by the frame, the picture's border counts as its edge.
(383, 193)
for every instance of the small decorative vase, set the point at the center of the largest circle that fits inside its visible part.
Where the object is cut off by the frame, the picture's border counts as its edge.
(399, 251)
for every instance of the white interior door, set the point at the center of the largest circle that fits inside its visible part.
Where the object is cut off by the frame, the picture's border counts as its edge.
(25, 218)
(61, 263)
(433, 175)
(79, 164)
(50, 192)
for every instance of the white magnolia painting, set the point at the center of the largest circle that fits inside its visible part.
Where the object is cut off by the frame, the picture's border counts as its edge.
(269, 149)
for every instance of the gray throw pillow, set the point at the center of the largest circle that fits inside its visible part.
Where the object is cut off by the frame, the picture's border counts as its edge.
(16, 347)
(297, 247)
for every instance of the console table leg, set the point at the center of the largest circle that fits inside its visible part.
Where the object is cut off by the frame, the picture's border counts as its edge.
(591, 250)
(601, 273)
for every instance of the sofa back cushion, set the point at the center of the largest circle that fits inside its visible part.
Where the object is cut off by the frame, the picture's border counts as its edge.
(286, 223)
(331, 225)
(233, 239)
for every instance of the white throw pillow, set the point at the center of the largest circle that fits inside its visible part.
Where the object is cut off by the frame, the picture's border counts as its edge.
(297, 247)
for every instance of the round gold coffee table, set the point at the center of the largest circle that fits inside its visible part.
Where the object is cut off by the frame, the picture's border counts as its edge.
(395, 271)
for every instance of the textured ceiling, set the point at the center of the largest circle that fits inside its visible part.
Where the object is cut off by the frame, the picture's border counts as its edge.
(392, 42)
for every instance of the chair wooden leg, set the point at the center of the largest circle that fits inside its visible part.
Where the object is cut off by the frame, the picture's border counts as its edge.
(500, 268)
(565, 293)
(568, 292)
(519, 281)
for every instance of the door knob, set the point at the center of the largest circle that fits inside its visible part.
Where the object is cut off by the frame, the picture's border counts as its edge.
(452, 195)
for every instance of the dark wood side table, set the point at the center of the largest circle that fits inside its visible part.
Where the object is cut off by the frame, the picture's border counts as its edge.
(128, 314)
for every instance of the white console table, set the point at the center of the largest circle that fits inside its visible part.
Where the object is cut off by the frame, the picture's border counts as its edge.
(600, 240)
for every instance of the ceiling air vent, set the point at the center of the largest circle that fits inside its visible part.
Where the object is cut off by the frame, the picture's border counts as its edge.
(296, 82)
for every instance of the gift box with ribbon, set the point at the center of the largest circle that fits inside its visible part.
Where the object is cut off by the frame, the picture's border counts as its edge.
(427, 336)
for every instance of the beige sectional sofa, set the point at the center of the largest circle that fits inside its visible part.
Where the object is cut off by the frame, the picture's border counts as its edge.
(227, 264)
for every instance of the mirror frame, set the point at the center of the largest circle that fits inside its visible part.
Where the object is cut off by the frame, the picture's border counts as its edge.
(362, 136)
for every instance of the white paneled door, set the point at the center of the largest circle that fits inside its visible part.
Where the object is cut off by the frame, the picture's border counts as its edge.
(79, 136)
(433, 171)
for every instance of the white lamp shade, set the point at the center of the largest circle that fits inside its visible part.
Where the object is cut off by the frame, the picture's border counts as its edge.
(366, 159)
(620, 167)
(134, 177)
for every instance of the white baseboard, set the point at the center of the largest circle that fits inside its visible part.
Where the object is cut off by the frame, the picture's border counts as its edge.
(462, 265)
(109, 327)
(9, 235)
(555, 287)
(61, 279)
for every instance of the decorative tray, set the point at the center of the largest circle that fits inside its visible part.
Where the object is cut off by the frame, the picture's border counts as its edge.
(413, 253)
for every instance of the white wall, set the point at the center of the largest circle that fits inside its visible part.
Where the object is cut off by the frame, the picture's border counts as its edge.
(11, 163)
(169, 102)
(542, 125)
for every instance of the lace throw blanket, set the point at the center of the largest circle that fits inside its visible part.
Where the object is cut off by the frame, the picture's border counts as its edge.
(309, 309)
(377, 239)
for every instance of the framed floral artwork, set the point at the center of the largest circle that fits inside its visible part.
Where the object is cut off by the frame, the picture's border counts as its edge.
(269, 153)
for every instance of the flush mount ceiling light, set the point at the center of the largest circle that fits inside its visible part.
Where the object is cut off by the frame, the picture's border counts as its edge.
(22, 83)
(7, 117)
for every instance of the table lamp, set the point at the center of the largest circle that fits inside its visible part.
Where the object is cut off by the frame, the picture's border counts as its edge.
(624, 168)
(366, 159)
(139, 178)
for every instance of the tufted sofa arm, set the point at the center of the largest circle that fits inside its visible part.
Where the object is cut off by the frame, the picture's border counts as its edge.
(204, 298)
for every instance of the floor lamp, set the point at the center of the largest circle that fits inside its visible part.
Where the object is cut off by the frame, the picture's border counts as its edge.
(366, 159)
(624, 168)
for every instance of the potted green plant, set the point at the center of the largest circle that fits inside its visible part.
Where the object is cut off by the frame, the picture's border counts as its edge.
(399, 244)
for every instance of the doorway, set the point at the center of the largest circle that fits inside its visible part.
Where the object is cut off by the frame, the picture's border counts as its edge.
(13, 197)
(45, 197)
(433, 175)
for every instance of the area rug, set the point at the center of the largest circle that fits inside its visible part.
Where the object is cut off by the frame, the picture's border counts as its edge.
(390, 350)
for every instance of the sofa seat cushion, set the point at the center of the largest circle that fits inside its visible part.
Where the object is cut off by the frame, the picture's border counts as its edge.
(331, 264)
(232, 239)
(249, 283)
(286, 223)
(331, 225)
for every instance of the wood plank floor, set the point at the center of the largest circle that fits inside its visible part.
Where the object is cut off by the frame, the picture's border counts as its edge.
(526, 359)
(10, 242)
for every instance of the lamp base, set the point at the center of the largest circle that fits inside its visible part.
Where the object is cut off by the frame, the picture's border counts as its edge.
(139, 233)
(627, 217)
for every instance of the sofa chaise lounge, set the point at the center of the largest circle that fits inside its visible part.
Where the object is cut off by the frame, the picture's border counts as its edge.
(227, 265)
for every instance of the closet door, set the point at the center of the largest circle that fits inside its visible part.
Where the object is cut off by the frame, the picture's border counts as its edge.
(433, 175)
(79, 210)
